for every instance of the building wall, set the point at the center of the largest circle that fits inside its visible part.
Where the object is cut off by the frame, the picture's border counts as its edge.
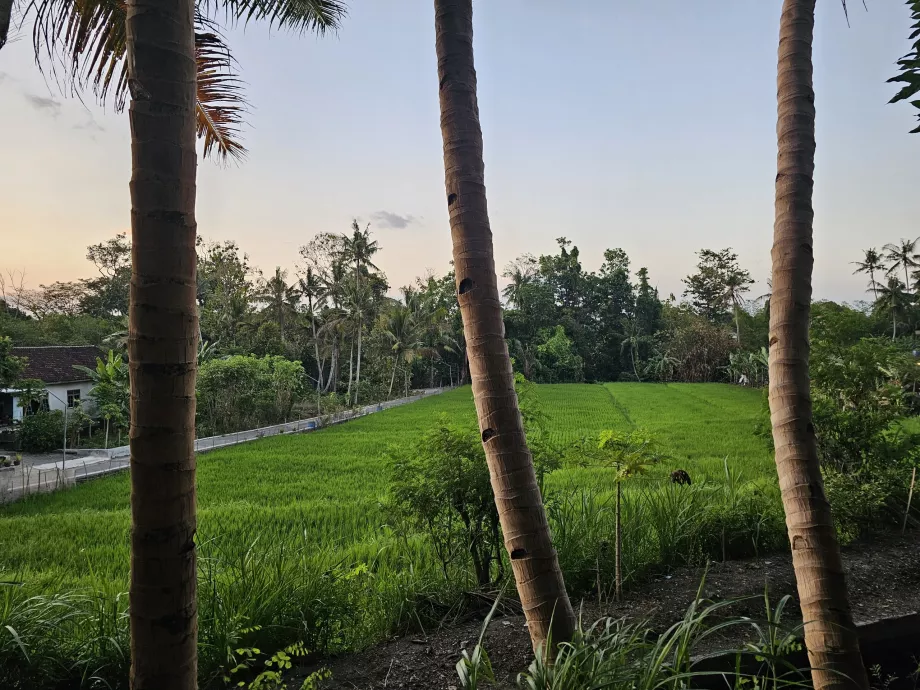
(57, 397)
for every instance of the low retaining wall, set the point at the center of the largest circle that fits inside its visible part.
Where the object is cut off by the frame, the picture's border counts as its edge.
(99, 462)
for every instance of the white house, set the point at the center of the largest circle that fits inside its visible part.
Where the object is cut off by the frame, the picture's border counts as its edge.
(54, 367)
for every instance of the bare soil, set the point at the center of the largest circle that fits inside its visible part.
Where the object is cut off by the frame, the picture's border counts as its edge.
(883, 574)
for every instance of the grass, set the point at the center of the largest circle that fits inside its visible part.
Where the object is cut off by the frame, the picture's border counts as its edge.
(293, 537)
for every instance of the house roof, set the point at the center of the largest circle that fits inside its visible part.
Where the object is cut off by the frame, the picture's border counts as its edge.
(54, 364)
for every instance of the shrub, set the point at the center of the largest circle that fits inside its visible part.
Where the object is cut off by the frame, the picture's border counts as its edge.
(42, 432)
(247, 392)
(441, 487)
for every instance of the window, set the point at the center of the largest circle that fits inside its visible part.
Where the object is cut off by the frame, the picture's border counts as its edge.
(73, 397)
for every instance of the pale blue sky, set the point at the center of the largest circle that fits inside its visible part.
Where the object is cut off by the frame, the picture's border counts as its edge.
(648, 126)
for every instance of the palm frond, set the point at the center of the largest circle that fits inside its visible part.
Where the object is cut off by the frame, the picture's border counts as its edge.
(85, 43)
(317, 16)
(221, 104)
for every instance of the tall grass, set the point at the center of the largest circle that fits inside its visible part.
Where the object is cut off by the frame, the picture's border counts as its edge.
(294, 544)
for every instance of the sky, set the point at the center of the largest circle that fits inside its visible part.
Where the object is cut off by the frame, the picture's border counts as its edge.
(643, 125)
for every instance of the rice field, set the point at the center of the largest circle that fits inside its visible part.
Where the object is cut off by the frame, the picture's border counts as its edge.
(294, 539)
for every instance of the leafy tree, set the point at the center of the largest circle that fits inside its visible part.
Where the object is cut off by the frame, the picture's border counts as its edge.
(11, 366)
(111, 393)
(225, 292)
(107, 294)
(718, 286)
(246, 392)
(558, 358)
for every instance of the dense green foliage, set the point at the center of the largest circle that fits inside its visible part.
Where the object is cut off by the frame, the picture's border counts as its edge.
(42, 432)
(296, 535)
(246, 392)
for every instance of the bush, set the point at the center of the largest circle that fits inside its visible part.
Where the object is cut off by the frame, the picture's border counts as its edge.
(42, 432)
(441, 487)
(247, 392)
(860, 501)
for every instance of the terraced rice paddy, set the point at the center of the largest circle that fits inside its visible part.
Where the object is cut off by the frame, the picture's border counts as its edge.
(293, 537)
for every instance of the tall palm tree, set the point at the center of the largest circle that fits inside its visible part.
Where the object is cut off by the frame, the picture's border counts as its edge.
(521, 272)
(736, 284)
(903, 255)
(894, 298)
(517, 495)
(830, 636)
(404, 327)
(162, 344)
(89, 39)
(360, 249)
(280, 299)
(632, 339)
(872, 262)
(312, 288)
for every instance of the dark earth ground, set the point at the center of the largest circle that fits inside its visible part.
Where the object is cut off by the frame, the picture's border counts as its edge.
(883, 575)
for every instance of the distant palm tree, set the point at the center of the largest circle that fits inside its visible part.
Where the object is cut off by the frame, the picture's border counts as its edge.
(632, 338)
(280, 299)
(872, 262)
(736, 284)
(313, 289)
(903, 255)
(521, 272)
(404, 327)
(359, 249)
(896, 300)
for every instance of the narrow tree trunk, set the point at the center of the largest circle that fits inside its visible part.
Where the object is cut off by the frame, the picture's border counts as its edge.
(106, 434)
(618, 556)
(830, 636)
(393, 377)
(894, 325)
(358, 374)
(351, 366)
(517, 495)
(319, 364)
(163, 343)
(874, 284)
(737, 325)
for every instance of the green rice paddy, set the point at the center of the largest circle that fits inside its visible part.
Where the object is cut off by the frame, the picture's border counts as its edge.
(293, 536)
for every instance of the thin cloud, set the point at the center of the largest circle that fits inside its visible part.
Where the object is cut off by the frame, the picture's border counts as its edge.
(90, 125)
(387, 219)
(44, 103)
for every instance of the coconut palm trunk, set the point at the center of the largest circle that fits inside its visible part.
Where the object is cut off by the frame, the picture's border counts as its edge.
(162, 342)
(517, 495)
(393, 376)
(358, 367)
(830, 636)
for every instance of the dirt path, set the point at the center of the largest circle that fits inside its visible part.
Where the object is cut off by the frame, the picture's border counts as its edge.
(883, 575)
